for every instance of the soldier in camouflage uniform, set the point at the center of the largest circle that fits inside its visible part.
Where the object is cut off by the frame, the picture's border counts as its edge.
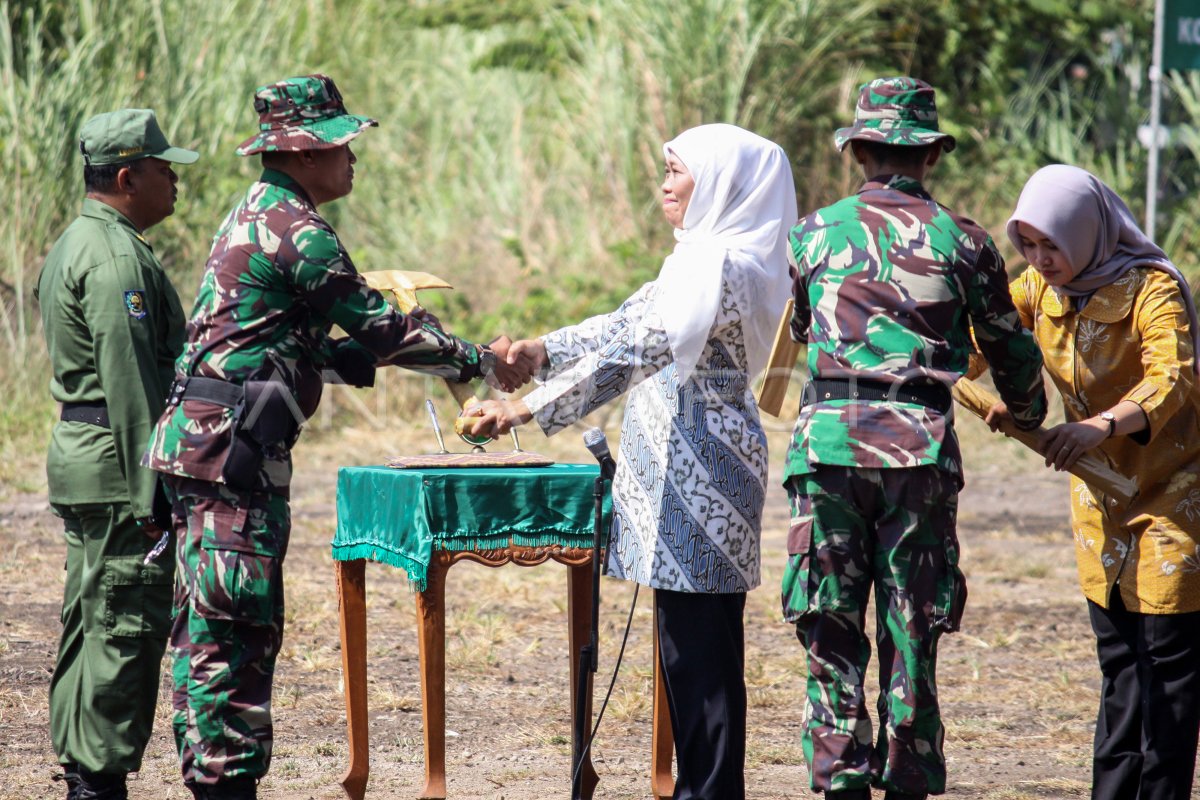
(258, 343)
(114, 327)
(888, 286)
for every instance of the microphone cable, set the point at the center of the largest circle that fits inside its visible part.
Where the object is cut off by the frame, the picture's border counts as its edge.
(597, 444)
(587, 747)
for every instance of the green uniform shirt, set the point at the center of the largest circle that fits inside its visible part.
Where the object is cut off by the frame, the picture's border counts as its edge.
(889, 286)
(114, 327)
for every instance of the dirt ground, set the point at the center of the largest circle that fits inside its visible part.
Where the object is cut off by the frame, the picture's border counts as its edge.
(1019, 684)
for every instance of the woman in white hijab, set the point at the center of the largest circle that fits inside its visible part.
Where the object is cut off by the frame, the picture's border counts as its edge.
(1117, 325)
(692, 468)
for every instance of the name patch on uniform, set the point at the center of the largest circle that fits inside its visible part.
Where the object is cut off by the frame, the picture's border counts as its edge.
(135, 301)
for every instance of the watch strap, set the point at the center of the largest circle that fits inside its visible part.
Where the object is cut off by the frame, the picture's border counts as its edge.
(1111, 419)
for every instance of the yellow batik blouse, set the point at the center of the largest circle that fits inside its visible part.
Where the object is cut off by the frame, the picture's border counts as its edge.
(1132, 342)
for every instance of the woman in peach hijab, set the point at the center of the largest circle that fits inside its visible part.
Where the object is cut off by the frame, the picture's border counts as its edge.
(1117, 326)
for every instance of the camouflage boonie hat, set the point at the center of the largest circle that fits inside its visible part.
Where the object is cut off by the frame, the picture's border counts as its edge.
(305, 113)
(895, 111)
(128, 134)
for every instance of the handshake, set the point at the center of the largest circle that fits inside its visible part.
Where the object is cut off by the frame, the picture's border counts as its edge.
(516, 362)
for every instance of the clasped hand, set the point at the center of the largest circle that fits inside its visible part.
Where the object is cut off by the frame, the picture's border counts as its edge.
(1061, 445)
(495, 417)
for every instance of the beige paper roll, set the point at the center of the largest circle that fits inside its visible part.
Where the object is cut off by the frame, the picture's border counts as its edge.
(1089, 468)
(780, 365)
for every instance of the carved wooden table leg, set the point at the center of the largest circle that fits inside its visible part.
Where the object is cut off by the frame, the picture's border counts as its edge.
(662, 741)
(431, 633)
(579, 613)
(352, 606)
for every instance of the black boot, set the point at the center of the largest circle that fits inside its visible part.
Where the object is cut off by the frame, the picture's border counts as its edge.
(101, 786)
(70, 774)
(892, 794)
(242, 787)
(848, 794)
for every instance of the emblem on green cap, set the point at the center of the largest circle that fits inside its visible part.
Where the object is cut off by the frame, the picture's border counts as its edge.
(118, 137)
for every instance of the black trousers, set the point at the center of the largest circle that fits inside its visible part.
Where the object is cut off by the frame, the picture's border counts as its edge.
(1149, 720)
(703, 659)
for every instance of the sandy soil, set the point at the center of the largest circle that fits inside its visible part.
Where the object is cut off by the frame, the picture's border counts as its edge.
(1019, 684)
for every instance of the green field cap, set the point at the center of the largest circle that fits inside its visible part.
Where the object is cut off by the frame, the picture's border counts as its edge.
(895, 111)
(305, 113)
(119, 137)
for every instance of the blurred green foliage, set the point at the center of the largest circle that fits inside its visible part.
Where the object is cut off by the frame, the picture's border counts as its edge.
(519, 147)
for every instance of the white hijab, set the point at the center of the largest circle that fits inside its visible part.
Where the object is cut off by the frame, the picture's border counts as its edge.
(742, 208)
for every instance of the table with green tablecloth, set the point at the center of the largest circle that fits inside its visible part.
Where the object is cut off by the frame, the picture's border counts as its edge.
(425, 520)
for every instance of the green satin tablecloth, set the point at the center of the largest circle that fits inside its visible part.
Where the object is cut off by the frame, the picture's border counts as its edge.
(400, 516)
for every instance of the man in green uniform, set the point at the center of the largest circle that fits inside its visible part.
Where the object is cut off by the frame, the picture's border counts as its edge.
(114, 327)
(259, 349)
(889, 287)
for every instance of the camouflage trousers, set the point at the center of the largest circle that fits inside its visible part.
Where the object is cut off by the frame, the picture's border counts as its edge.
(228, 627)
(854, 529)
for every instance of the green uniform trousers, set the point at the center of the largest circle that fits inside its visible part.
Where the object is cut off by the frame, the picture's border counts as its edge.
(116, 618)
(855, 530)
(228, 627)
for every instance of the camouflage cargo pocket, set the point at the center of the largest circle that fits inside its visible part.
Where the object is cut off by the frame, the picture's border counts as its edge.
(951, 593)
(952, 584)
(238, 575)
(797, 588)
(136, 597)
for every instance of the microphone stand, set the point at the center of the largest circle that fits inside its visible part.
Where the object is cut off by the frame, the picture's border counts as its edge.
(589, 653)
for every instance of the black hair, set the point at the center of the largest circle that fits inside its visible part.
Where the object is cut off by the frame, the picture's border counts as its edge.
(274, 159)
(102, 178)
(897, 155)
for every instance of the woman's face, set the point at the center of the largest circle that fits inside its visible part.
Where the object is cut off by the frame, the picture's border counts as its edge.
(677, 189)
(1044, 255)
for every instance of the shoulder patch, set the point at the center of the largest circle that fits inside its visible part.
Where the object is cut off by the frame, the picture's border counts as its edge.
(135, 301)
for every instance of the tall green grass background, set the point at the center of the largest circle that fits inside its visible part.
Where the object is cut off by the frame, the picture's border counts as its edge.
(518, 153)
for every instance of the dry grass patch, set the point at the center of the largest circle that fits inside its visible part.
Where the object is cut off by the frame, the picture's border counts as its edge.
(1018, 684)
(386, 696)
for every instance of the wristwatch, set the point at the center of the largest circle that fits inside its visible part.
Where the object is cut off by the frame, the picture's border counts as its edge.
(1111, 419)
(487, 361)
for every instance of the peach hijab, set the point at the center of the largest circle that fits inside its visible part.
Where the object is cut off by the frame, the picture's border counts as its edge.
(1096, 232)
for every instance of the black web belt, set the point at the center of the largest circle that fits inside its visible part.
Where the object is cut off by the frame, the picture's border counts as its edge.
(91, 413)
(212, 390)
(926, 392)
(220, 392)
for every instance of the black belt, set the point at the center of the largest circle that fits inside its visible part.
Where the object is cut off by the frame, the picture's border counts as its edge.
(926, 392)
(91, 413)
(212, 390)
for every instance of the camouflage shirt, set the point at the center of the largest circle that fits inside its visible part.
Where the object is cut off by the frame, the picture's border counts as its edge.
(888, 286)
(276, 282)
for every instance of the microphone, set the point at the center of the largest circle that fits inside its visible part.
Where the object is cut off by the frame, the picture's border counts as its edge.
(596, 443)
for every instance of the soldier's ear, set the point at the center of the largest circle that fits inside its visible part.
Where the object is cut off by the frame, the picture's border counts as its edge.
(126, 180)
(864, 157)
(857, 151)
(935, 153)
(307, 158)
